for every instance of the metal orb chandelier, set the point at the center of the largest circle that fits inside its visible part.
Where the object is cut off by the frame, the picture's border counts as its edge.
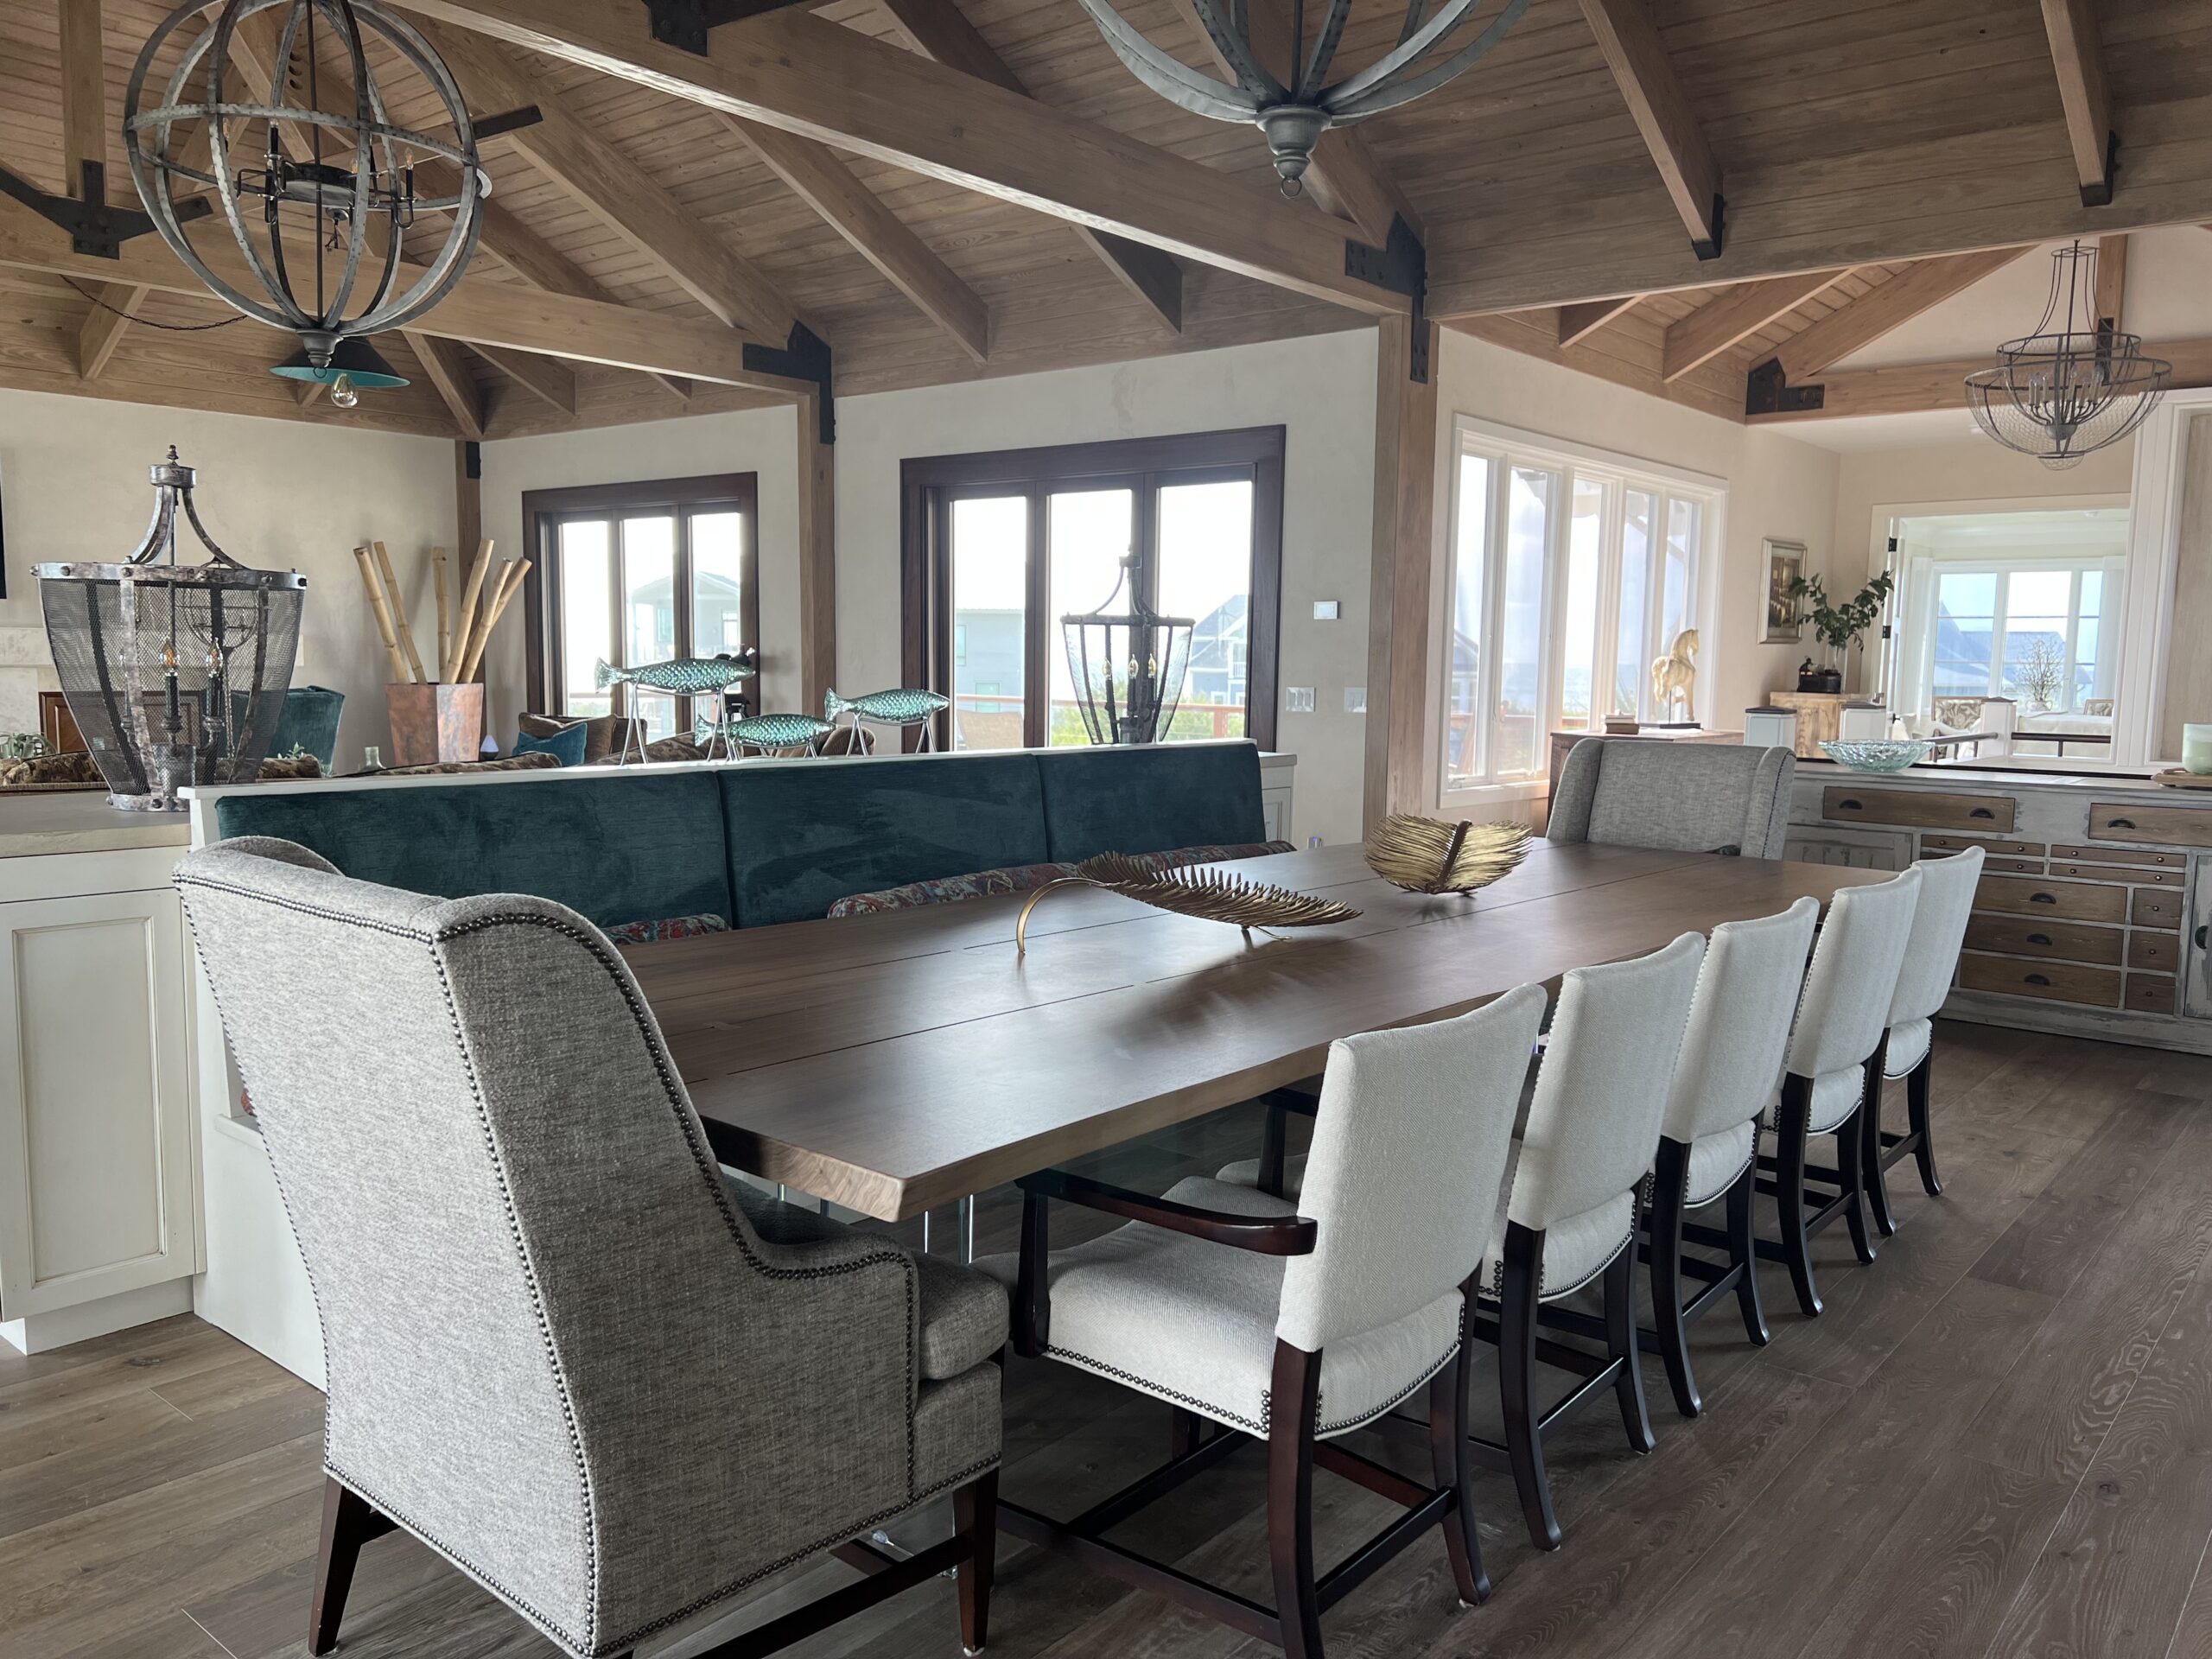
(315, 206)
(2075, 384)
(1128, 665)
(1293, 113)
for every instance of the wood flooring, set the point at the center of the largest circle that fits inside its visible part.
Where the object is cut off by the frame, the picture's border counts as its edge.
(1996, 1444)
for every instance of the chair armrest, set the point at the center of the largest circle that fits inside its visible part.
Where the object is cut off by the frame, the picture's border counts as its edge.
(1268, 1236)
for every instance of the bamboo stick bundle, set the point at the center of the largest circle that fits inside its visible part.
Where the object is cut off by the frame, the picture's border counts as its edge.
(510, 575)
(383, 614)
(465, 618)
(415, 676)
(445, 618)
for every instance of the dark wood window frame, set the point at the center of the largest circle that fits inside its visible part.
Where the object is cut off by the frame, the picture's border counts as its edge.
(929, 485)
(544, 512)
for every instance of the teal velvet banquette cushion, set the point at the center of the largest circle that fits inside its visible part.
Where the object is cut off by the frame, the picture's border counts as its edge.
(1150, 799)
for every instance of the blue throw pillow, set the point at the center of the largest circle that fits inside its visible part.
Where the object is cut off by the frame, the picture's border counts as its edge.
(566, 746)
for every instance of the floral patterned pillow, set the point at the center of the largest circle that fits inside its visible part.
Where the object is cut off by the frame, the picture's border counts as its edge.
(1027, 878)
(675, 927)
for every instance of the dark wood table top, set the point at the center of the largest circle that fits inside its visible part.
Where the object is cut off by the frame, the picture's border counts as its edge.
(894, 1063)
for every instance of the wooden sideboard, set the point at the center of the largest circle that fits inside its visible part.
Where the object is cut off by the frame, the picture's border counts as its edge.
(2095, 902)
(1819, 717)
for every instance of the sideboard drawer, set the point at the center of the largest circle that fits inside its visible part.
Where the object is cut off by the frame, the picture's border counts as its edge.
(2157, 952)
(2146, 878)
(2026, 936)
(2057, 982)
(1919, 807)
(2146, 994)
(2176, 826)
(2144, 856)
(2153, 908)
(1994, 848)
(2074, 901)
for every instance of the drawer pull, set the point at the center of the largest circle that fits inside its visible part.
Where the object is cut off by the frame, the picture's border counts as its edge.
(2035, 979)
(2200, 937)
(1981, 812)
(2119, 823)
(1851, 804)
(2038, 939)
(2043, 898)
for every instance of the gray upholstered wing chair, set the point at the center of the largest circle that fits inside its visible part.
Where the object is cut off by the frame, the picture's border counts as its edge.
(1690, 797)
(614, 1388)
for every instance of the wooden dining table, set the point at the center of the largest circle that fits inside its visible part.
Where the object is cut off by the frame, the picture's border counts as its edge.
(897, 1062)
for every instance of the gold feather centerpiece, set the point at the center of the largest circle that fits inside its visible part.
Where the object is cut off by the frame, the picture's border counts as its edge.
(1211, 895)
(1428, 855)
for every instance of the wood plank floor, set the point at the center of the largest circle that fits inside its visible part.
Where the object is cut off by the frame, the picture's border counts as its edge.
(1996, 1444)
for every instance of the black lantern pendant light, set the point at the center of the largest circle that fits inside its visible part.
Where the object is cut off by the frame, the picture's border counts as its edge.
(315, 206)
(1128, 663)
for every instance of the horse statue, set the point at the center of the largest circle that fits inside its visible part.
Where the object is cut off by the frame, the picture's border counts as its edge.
(1674, 677)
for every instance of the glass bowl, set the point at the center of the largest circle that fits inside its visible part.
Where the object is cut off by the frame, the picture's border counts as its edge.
(1877, 753)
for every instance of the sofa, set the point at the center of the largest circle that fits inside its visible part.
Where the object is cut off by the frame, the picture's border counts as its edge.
(756, 842)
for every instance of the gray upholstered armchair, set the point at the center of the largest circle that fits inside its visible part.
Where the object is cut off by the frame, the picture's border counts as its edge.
(611, 1386)
(1689, 798)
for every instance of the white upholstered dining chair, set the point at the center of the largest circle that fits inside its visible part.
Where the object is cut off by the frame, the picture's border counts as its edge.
(1709, 1143)
(1295, 1323)
(1931, 958)
(1568, 1216)
(1834, 1067)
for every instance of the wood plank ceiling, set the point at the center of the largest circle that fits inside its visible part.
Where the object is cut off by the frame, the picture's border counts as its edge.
(1852, 146)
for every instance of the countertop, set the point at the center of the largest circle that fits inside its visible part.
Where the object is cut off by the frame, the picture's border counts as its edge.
(2134, 786)
(82, 821)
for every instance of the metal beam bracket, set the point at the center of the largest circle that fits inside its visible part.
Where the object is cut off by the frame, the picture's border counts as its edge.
(2100, 194)
(95, 230)
(685, 23)
(491, 126)
(1768, 392)
(1708, 247)
(1401, 265)
(805, 356)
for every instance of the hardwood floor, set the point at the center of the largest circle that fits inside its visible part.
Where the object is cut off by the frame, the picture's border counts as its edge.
(1997, 1443)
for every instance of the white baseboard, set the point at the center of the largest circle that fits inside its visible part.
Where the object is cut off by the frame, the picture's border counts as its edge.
(39, 1334)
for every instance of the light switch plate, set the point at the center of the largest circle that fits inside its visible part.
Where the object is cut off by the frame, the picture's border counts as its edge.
(1355, 699)
(1325, 610)
(1298, 699)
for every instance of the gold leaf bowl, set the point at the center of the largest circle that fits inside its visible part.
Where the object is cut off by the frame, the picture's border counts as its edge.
(1210, 895)
(1429, 856)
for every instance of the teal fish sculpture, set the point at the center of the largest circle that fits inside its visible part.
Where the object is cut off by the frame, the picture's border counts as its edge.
(900, 706)
(766, 731)
(680, 676)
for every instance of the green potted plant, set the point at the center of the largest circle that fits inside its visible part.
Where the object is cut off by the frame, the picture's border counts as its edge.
(1838, 627)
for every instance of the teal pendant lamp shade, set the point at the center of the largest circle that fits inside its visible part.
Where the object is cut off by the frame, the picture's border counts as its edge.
(353, 359)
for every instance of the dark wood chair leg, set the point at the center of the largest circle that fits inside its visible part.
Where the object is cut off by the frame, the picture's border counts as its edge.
(1743, 1252)
(1916, 1102)
(1789, 1189)
(1274, 1151)
(1672, 1178)
(1621, 1345)
(1851, 1170)
(1875, 1183)
(1516, 1382)
(1296, 1390)
(1184, 1430)
(348, 1522)
(976, 1517)
(1451, 1467)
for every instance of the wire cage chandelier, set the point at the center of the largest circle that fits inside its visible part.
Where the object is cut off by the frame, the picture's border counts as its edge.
(176, 674)
(1128, 663)
(2074, 386)
(1293, 110)
(315, 206)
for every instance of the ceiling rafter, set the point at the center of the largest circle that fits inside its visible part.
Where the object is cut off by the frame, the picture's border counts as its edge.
(2112, 282)
(791, 70)
(1857, 325)
(1918, 388)
(547, 379)
(1633, 51)
(1733, 317)
(446, 366)
(2077, 53)
(84, 139)
(939, 31)
(1578, 322)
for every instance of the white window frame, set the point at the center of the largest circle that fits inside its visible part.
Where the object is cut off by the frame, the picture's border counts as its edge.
(1506, 447)
(1927, 575)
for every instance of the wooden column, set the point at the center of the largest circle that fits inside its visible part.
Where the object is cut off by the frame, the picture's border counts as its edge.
(469, 504)
(818, 559)
(1399, 589)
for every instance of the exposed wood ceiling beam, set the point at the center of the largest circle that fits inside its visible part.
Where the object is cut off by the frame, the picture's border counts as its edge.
(445, 366)
(544, 378)
(1578, 322)
(938, 30)
(791, 70)
(617, 191)
(2112, 282)
(1853, 327)
(1633, 51)
(1915, 388)
(1346, 176)
(2077, 53)
(814, 173)
(85, 138)
(1733, 317)
(105, 326)
(480, 311)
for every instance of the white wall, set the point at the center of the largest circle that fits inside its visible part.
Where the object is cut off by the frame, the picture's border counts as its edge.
(1777, 486)
(279, 494)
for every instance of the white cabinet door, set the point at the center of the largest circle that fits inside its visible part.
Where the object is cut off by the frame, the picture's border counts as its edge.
(96, 1180)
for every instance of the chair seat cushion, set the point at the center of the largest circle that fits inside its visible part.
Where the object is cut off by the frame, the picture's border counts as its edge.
(963, 1313)
(1717, 1159)
(1576, 1251)
(1908, 1041)
(1192, 1322)
(1835, 1095)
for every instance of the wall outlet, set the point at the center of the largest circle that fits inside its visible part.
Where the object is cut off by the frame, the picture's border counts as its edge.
(1298, 699)
(1325, 610)
(1355, 699)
